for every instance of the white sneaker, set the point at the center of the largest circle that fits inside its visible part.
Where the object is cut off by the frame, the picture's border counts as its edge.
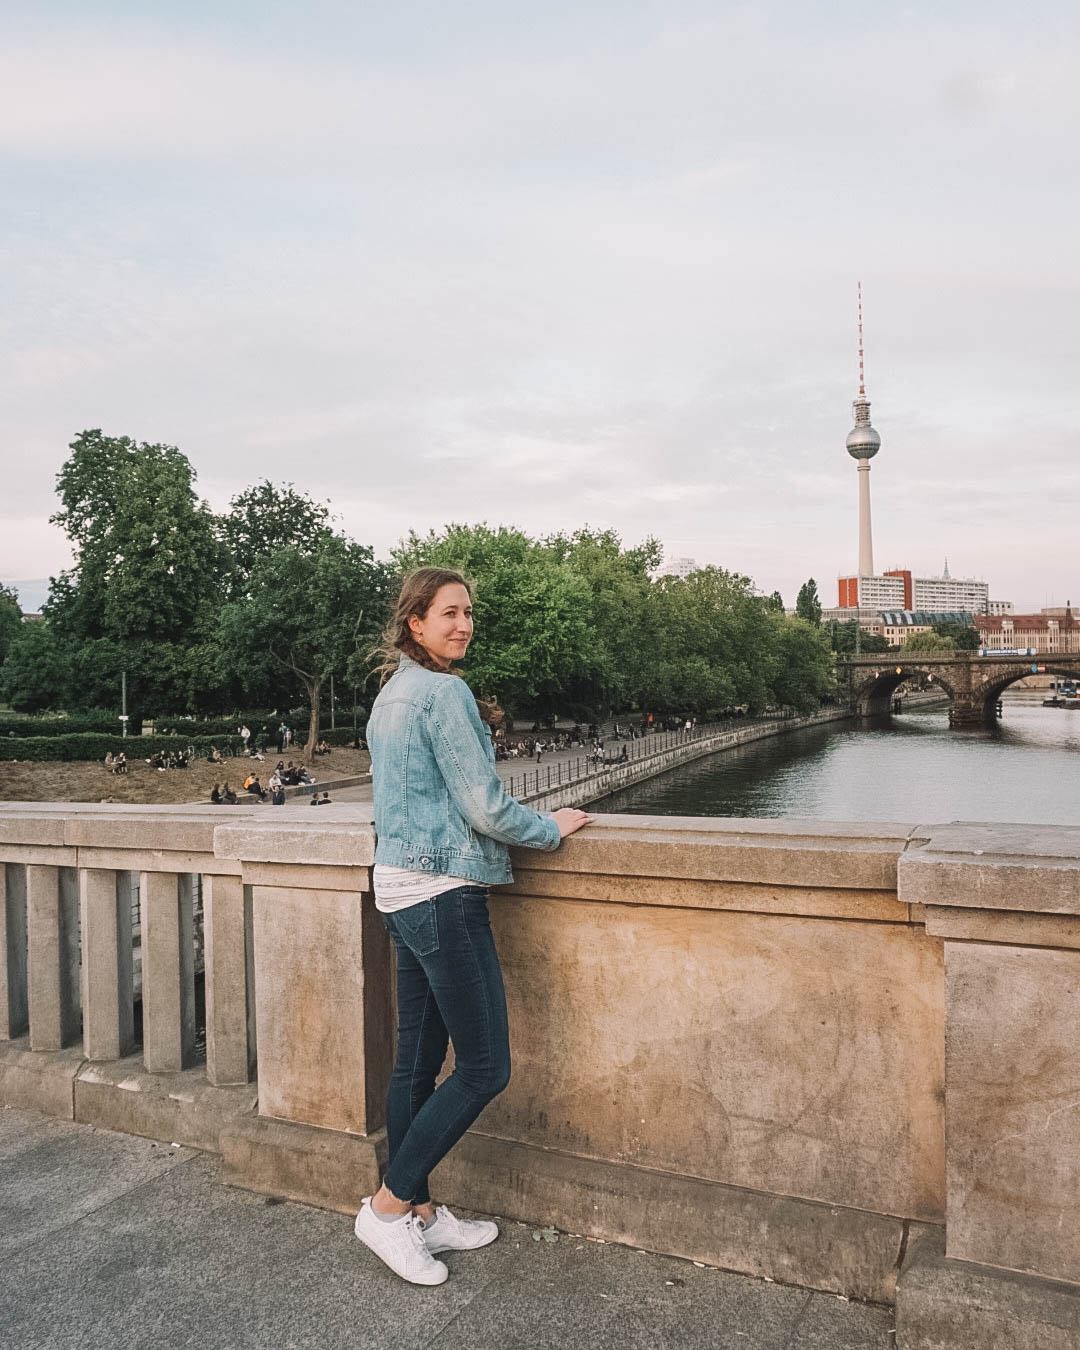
(447, 1233)
(400, 1245)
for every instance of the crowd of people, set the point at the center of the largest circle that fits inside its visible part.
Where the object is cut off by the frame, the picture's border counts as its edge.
(283, 776)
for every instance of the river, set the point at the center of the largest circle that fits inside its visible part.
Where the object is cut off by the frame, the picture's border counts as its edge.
(910, 768)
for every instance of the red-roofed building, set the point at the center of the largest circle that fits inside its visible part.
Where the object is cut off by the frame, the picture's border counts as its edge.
(1050, 635)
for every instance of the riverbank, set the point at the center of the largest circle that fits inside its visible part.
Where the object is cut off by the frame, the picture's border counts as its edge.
(598, 784)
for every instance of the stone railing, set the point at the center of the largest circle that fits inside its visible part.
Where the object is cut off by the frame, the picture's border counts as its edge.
(843, 1056)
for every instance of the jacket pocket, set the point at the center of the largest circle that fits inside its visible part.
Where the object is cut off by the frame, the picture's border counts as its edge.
(418, 927)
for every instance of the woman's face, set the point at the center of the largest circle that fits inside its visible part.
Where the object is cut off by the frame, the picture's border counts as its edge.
(446, 629)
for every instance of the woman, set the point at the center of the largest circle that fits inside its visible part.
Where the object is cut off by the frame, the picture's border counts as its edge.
(443, 822)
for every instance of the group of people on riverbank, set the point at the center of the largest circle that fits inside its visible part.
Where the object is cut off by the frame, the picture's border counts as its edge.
(284, 775)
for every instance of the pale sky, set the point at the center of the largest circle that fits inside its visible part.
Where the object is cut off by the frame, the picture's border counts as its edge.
(554, 265)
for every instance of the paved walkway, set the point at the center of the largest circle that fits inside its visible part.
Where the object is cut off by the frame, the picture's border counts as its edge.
(108, 1240)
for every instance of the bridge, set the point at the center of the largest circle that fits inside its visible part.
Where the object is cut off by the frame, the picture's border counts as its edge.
(974, 683)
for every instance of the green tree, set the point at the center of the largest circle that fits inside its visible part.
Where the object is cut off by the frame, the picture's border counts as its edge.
(775, 602)
(532, 610)
(10, 619)
(802, 669)
(964, 637)
(706, 644)
(307, 611)
(147, 560)
(842, 636)
(36, 673)
(265, 518)
(929, 642)
(619, 585)
(808, 603)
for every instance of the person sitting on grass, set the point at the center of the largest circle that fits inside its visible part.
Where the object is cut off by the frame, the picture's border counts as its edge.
(214, 757)
(290, 775)
(228, 796)
(110, 763)
(215, 794)
(322, 748)
(120, 764)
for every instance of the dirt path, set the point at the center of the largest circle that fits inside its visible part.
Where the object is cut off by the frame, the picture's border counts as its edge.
(22, 781)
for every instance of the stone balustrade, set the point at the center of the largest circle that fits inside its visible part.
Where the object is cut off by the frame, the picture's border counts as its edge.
(843, 1056)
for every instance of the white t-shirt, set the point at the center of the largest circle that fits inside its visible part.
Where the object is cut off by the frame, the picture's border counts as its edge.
(398, 888)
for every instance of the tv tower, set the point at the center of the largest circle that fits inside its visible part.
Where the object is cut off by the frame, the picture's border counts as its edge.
(863, 443)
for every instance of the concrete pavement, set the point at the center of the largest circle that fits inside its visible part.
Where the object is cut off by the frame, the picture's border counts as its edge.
(110, 1240)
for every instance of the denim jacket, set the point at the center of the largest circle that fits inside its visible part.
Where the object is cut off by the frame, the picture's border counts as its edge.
(439, 804)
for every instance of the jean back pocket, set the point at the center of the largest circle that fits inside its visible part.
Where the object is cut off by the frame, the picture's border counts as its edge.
(417, 926)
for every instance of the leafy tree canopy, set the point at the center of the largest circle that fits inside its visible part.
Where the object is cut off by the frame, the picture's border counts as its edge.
(842, 638)
(10, 619)
(306, 612)
(268, 517)
(964, 638)
(808, 603)
(929, 642)
(532, 609)
(147, 560)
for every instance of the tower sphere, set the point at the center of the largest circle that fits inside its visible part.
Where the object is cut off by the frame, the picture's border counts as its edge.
(863, 442)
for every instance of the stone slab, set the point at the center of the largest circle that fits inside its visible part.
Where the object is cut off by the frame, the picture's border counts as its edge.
(57, 1177)
(1006, 867)
(827, 1247)
(954, 1305)
(341, 836)
(39, 1080)
(175, 1107)
(829, 1324)
(1013, 1076)
(311, 876)
(1001, 926)
(156, 860)
(582, 1294)
(682, 893)
(301, 1162)
(783, 1054)
(310, 982)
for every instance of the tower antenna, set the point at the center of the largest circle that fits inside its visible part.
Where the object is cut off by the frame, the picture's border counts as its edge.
(862, 381)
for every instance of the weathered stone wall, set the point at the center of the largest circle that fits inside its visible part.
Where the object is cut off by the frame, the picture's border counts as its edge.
(838, 1055)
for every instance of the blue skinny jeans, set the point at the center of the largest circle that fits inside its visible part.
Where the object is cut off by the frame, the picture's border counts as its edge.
(449, 988)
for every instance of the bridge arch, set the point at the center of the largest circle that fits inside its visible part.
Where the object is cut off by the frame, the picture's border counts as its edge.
(987, 687)
(872, 696)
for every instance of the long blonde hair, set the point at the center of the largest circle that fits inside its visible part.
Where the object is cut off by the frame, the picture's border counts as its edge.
(417, 595)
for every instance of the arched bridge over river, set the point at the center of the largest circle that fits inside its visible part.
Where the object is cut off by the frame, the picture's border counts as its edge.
(974, 683)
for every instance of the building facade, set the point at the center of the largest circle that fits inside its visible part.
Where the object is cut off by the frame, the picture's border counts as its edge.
(1049, 634)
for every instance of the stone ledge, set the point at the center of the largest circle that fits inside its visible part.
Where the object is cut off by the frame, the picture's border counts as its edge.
(328, 1168)
(39, 1080)
(829, 1247)
(954, 1304)
(1029, 868)
(178, 1108)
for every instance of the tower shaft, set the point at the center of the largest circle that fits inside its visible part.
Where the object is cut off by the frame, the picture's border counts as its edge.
(866, 547)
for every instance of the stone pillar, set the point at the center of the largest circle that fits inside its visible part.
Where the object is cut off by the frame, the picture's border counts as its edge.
(1006, 901)
(52, 956)
(230, 1022)
(13, 1010)
(108, 1010)
(168, 971)
(322, 1010)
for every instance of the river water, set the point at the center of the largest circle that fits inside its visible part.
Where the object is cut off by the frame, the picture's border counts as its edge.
(910, 769)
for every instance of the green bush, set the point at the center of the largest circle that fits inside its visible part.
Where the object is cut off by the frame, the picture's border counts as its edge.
(89, 746)
(104, 724)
